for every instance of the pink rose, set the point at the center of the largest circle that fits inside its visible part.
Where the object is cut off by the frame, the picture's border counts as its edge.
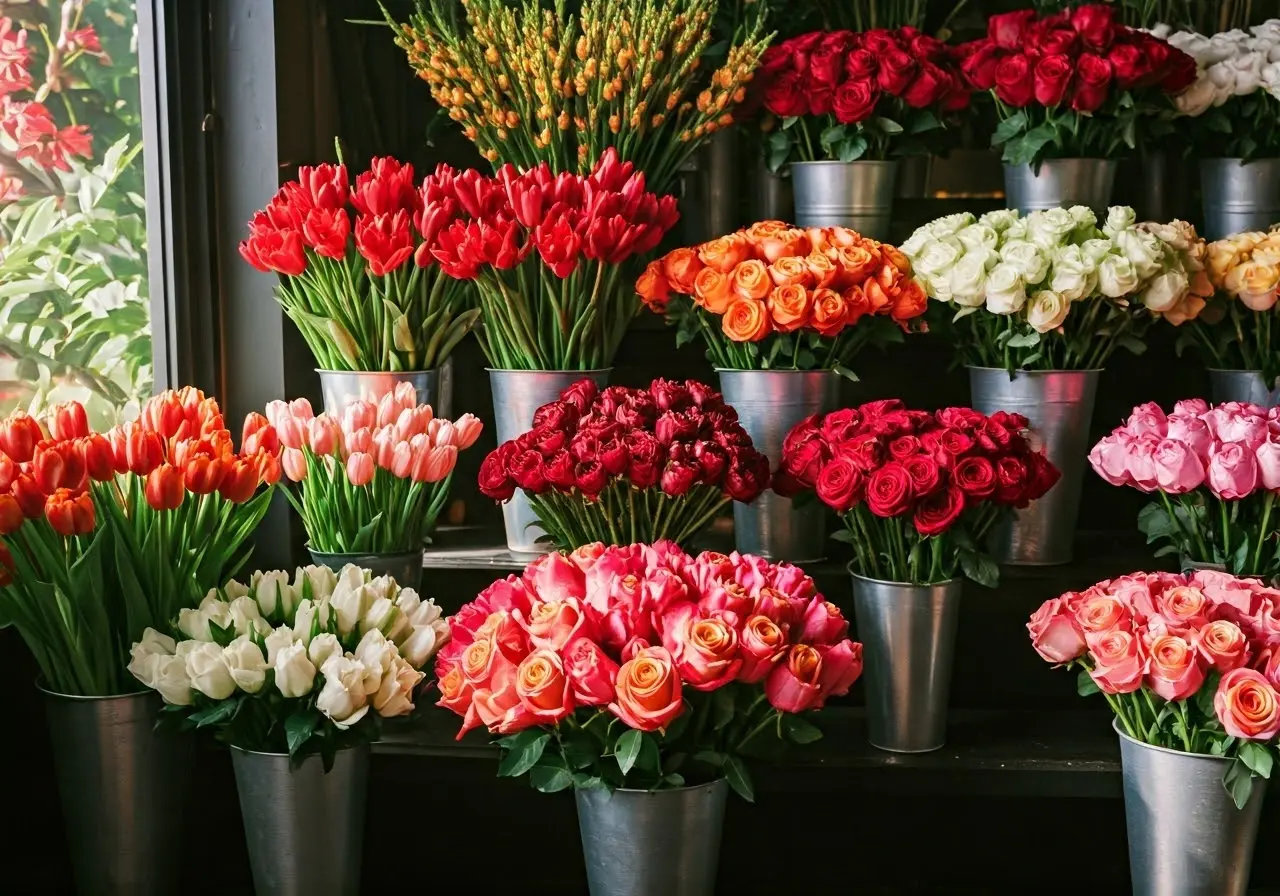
(772, 603)
(1101, 613)
(648, 695)
(618, 612)
(794, 685)
(708, 568)
(841, 666)
(662, 588)
(1190, 407)
(1268, 458)
(1110, 458)
(793, 582)
(1247, 705)
(1147, 419)
(727, 597)
(750, 571)
(1175, 672)
(1183, 608)
(554, 577)
(823, 623)
(1192, 432)
(553, 624)
(1237, 422)
(586, 556)
(704, 645)
(1141, 462)
(1135, 592)
(1269, 665)
(1178, 469)
(1223, 645)
(544, 688)
(1118, 661)
(763, 642)
(1222, 588)
(1233, 472)
(1055, 634)
(592, 674)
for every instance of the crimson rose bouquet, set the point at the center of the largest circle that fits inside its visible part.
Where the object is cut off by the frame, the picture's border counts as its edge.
(624, 465)
(1076, 83)
(1187, 662)
(918, 491)
(356, 278)
(641, 666)
(563, 306)
(845, 96)
(1216, 471)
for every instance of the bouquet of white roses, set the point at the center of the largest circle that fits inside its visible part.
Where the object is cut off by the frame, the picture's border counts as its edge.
(300, 667)
(1053, 290)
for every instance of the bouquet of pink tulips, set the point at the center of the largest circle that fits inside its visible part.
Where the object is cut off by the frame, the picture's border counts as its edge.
(1216, 471)
(375, 481)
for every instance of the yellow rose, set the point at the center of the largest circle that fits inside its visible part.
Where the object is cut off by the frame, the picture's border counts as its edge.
(1255, 284)
(1226, 254)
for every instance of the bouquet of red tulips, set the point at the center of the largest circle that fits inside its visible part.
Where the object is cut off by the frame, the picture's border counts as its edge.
(375, 481)
(623, 465)
(103, 535)
(546, 252)
(354, 274)
(918, 491)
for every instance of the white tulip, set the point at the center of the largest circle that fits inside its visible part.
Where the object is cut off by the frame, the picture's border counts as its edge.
(171, 679)
(352, 576)
(420, 612)
(1046, 311)
(244, 614)
(303, 617)
(380, 617)
(272, 591)
(1117, 277)
(295, 673)
(246, 663)
(321, 579)
(1074, 274)
(145, 656)
(232, 590)
(375, 653)
(194, 623)
(350, 604)
(1165, 291)
(322, 647)
(277, 641)
(422, 645)
(395, 696)
(383, 586)
(342, 698)
(207, 669)
(1027, 259)
(1006, 293)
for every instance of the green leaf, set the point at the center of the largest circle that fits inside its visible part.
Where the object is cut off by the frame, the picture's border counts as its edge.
(735, 772)
(673, 780)
(923, 121)
(1257, 758)
(841, 370)
(722, 709)
(627, 750)
(222, 636)
(524, 753)
(298, 729)
(222, 711)
(886, 125)
(1026, 149)
(1085, 685)
(852, 148)
(1239, 783)
(788, 121)
(799, 731)
(710, 757)
(830, 136)
(550, 778)
(1009, 128)
(1023, 340)
(843, 535)
(980, 568)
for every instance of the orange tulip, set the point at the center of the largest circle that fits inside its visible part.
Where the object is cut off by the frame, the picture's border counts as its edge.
(99, 460)
(68, 513)
(203, 475)
(68, 421)
(19, 435)
(164, 414)
(830, 312)
(240, 480)
(713, 290)
(751, 280)
(725, 253)
(11, 515)
(790, 307)
(29, 496)
(681, 266)
(746, 320)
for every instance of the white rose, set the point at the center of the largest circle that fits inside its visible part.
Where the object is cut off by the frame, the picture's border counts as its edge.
(1270, 29)
(350, 605)
(1046, 311)
(1117, 277)
(343, 698)
(303, 617)
(295, 674)
(949, 225)
(395, 695)
(145, 656)
(1165, 291)
(278, 640)
(171, 679)
(273, 592)
(1271, 79)
(1193, 44)
(1084, 218)
(320, 579)
(1048, 228)
(322, 647)
(1096, 250)
(1144, 251)
(978, 236)
(1223, 46)
(1017, 230)
(1248, 71)
(246, 663)
(1223, 77)
(1027, 259)
(244, 613)
(1198, 98)
(969, 276)
(422, 645)
(1006, 293)
(1160, 30)
(1000, 220)
(1119, 217)
(1074, 274)
(914, 244)
(938, 257)
(207, 669)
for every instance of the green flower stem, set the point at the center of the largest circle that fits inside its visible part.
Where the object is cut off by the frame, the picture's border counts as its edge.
(617, 517)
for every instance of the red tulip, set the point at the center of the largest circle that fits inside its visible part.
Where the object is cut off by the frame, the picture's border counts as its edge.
(240, 480)
(327, 231)
(69, 513)
(8, 472)
(144, 451)
(268, 467)
(275, 251)
(164, 490)
(258, 434)
(6, 566)
(324, 186)
(68, 421)
(19, 435)
(385, 189)
(49, 468)
(164, 413)
(202, 475)
(384, 241)
(11, 515)
(99, 460)
(29, 496)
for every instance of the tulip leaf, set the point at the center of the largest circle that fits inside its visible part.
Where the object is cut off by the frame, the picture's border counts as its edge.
(1257, 758)
(735, 772)
(627, 750)
(1085, 685)
(299, 727)
(799, 731)
(523, 753)
(550, 778)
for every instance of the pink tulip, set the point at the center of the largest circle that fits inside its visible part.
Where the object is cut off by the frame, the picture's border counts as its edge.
(401, 460)
(301, 409)
(358, 440)
(445, 434)
(384, 445)
(359, 415)
(360, 468)
(434, 464)
(294, 463)
(413, 421)
(388, 410)
(323, 435)
(466, 430)
(405, 395)
(291, 431)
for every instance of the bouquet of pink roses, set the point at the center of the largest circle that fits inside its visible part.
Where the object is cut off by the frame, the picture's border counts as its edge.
(640, 666)
(1187, 663)
(1215, 470)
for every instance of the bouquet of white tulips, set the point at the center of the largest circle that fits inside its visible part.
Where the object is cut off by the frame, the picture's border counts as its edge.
(298, 667)
(1054, 290)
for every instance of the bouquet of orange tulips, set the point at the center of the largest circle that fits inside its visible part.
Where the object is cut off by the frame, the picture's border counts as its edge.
(104, 535)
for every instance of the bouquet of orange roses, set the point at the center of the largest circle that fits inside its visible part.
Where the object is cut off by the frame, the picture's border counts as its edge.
(776, 297)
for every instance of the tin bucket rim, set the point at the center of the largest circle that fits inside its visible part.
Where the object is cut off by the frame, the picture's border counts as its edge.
(1115, 724)
(869, 579)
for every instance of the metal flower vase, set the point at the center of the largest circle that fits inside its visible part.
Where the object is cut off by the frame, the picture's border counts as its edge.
(772, 199)
(122, 786)
(1186, 836)
(405, 568)
(1242, 385)
(1059, 404)
(659, 843)
(857, 195)
(908, 635)
(304, 828)
(1060, 183)
(434, 387)
(1239, 195)
(517, 394)
(769, 404)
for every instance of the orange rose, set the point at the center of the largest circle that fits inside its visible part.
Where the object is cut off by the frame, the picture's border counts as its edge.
(843, 237)
(648, 692)
(762, 229)
(822, 268)
(830, 312)
(751, 280)
(853, 263)
(877, 298)
(724, 254)
(653, 288)
(790, 271)
(746, 320)
(895, 257)
(789, 306)
(818, 239)
(858, 305)
(792, 241)
(543, 687)
(910, 302)
(713, 290)
(680, 267)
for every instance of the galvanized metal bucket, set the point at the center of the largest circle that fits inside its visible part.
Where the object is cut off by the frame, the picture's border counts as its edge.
(664, 843)
(1059, 404)
(1239, 196)
(711, 195)
(769, 404)
(1247, 386)
(908, 635)
(405, 568)
(517, 395)
(304, 828)
(857, 195)
(773, 199)
(122, 787)
(1060, 183)
(1186, 836)
(434, 387)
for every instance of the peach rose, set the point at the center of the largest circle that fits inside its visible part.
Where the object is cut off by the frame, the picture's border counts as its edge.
(822, 268)
(484, 666)
(910, 302)
(455, 695)
(725, 253)
(1225, 254)
(1101, 613)
(1183, 608)
(763, 642)
(751, 280)
(1055, 633)
(553, 624)
(703, 646)
(713, 290)
(501, 710)
(853, 264)
(1255, 284)
(858, 304)
(1118, 661)
(746, 320)
(592, 674)
(842, 238)
(1175, 672)
(762, 230)
(793, 685)
(653, 288)
(819, 239)
(790, 271)
(877, 298)
(830, 312)
(1247, 705)
(681, 266)
(789, 306)
(648, 693)
(895, 257)
(543, 687)
(791, 241)
(1223, 645)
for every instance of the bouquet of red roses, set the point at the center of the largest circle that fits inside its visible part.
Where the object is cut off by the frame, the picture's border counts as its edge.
(918, 491)
(845, 96)
(641, 666)
(1076, 83)
(546, 252)
(622, 465)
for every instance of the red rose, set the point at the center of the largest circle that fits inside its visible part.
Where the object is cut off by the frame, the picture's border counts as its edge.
(1014, 423)
(705, 397)
(678, 478)
(955, 91)
(903, 447)
(712, 460)
(1011, 480)
(928, 87)
(1007, 30)
(925, 474)
(669, 395)
(839, 484)
(494, 480)
(927, 47)
(674, 426)
(1130, 65)
(861, 63)
(975, 476)
(556, 415)
(784, 95)
(1015, 82)
(549, 441)
(1042, 476)
(936, 513)
(820, 100)
(866, 451)
(880, 41)
(1054, 41)
(1096, 25)
(558, 470)
(854, 101)
(646, 457)
(581, 394)
(590, 478)
(889, 490)
(826, 62)
(747, 476)
(1179, 71)
(799, 46)
(897, 68)
(1052, 78)
(979, 63)
(526, 470)
(840, 425)
(802, 432)
(805, 463)
(774, 60)
(1093, 83)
